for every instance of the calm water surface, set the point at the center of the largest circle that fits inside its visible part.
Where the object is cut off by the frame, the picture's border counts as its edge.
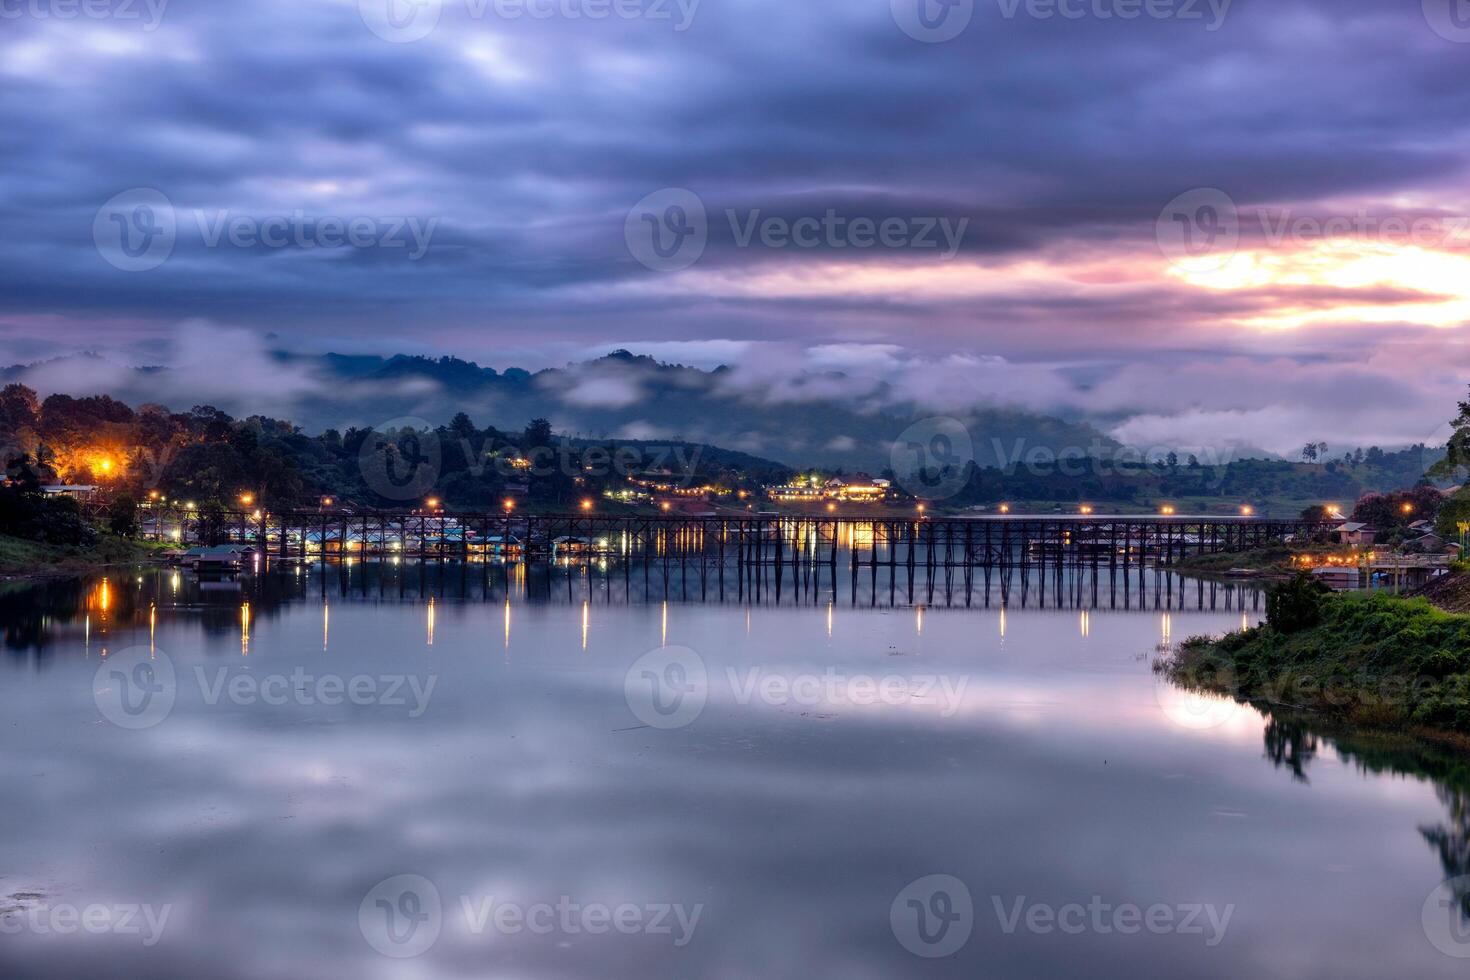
(580, 779)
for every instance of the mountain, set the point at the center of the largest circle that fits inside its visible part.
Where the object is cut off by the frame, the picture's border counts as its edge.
(827, 419)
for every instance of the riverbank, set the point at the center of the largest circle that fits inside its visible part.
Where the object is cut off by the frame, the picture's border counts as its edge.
(1271, 559)
(1372, 663)
(1449, 592)
(22, 559)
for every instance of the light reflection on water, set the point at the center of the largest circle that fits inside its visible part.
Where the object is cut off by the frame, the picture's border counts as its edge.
(1024, 751)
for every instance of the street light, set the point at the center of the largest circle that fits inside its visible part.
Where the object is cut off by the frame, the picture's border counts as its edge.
(1005, 508)
(246, 499)
(432, 503)
(508, 504)
(586, 505)
(1247, 510)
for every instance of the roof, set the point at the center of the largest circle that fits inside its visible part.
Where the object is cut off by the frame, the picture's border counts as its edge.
(1352, 527)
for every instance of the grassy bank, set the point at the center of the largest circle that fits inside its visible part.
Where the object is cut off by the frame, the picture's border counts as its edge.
(28, 559)
(1271, 559)
(1374, 663)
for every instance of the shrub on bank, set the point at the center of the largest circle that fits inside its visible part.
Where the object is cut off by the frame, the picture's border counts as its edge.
(1374, 659)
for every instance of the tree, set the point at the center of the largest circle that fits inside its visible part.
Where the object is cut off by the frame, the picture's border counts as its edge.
(1309, 453)
(122, 516)
(1456, 460)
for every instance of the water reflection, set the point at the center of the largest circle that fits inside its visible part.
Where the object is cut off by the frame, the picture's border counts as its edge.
(1043, 764)
(1292, 744)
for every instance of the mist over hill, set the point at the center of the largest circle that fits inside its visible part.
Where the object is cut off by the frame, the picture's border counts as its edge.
(828, 419)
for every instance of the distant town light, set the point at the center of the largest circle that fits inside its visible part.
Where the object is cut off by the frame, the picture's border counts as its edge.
(326, 501)
(1167, 511)
(586, 505)
(665, 505)
(508, 504)
(1005, 508)
(1247, 510)
(432, 503)
(247, 499)
(921, 508)
(1408, 508)
(1086, 508)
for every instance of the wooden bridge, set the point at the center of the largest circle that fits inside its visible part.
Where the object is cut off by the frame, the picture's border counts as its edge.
(750, 551)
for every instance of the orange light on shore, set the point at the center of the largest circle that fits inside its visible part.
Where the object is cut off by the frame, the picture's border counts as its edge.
(1247, 510)
(432, 503)
(326, 501)
(508, 504)
(1167, 510)
(832, 507)
(1086, 508)
(247, 499)
(1005, 508)
(665, 506)
(586, 505)
(1408, 508)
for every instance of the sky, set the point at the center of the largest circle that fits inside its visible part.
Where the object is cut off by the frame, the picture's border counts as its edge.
(1194, 220)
